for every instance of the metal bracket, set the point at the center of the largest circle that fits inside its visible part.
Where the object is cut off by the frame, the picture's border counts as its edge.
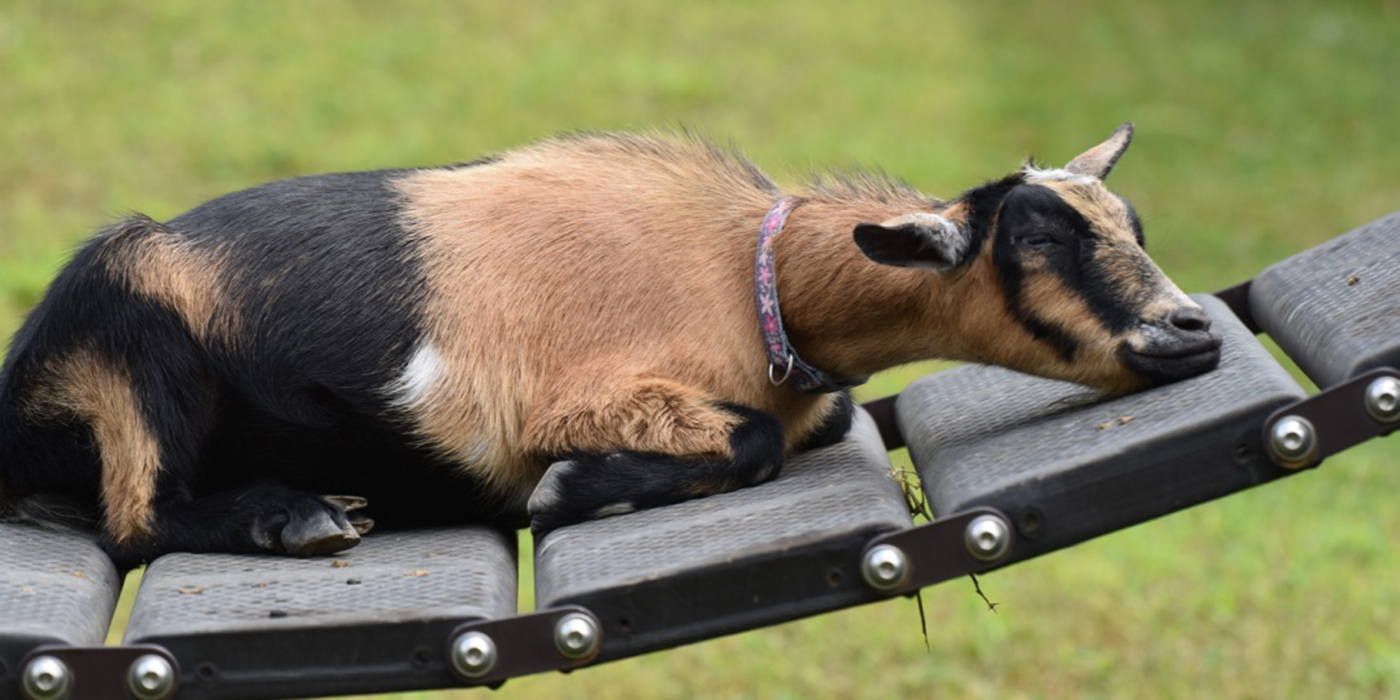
(488, 652)
(969, 542)
(1304, 433)
(1237, 298)
(882, 410)
(144, 671)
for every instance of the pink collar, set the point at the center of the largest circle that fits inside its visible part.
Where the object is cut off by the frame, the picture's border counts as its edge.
(782, 358)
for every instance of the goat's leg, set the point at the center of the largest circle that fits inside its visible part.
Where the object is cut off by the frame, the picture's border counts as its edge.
(262, 517)
(656, 444)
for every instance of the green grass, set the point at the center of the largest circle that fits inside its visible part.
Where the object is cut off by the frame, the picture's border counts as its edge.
(1263, 128)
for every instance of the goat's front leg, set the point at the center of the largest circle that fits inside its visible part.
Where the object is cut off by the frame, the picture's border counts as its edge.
(653, 444)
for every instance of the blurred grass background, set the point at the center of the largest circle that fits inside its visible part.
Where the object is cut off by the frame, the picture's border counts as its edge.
(1263, 128)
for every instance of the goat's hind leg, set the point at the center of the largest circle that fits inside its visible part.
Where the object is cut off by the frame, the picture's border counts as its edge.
(261, 517)
(720, 447)
(148, 415)
(149, 425)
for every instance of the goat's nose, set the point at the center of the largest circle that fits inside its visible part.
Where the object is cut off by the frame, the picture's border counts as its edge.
(1190, 319)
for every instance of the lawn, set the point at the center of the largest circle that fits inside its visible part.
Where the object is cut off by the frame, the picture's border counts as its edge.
(1263, 128)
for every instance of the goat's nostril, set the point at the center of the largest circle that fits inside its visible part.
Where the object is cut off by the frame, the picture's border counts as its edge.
(1190, 320)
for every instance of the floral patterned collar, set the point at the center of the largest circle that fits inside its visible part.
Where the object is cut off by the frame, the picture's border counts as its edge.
(782, 358)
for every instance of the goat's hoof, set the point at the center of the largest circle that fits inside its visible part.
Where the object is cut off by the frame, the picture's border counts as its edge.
(345, 503)
(321, 526)
(547, 507)
(563, 497)
(361, 524)
(549, 493)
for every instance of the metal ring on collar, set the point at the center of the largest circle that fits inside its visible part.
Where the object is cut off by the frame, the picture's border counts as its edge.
(788, 373)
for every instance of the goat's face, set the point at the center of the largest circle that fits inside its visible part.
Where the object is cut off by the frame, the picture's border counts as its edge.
(1070, 291)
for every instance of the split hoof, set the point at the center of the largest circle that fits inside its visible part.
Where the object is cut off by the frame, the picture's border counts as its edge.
(323, 526)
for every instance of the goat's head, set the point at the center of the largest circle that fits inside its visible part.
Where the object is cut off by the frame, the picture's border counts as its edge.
(1049, 268)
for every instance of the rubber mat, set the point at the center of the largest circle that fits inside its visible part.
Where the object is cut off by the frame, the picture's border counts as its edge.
(1066, 464)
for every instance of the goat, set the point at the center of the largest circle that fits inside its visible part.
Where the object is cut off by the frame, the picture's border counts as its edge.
(560, 332)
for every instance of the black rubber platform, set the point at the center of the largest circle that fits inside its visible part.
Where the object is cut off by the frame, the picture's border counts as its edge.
(376, 618)
(55, 588)
(1335, 308)
(753, 557)
(1065, 467)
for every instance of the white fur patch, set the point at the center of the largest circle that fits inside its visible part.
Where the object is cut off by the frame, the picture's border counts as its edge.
(424, 369)
(1057, 175)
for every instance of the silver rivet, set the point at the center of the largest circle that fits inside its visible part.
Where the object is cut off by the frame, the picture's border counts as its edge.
(1293, 442)
(1383, 399)
(473, 655)
(151, 678)
(885, 567)
(576, 636)
(988, 537)
(46, 678)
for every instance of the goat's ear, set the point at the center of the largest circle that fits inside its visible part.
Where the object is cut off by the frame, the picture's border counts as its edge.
(1099, 160)
(915, 240)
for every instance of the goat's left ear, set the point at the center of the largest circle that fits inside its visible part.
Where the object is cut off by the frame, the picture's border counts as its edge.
(1099, 160)
(914, 240)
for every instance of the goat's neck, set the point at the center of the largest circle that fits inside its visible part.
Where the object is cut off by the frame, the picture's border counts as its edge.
(848, 315)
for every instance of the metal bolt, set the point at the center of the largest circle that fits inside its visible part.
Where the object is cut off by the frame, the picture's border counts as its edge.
(46, 678)
(988, 537)
(473, 655)
(1383, 399)
(885, 567)
(576, 636)
(1293, 442)
(151, 678)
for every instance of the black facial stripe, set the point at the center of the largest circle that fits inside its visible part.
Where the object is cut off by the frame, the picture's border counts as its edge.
(1112, 301)
(1012, 283)
(983, 203)
(1107, 296)
(1036, 206)
(1053, 334)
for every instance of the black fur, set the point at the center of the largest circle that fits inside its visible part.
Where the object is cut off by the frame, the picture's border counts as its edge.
(252, 517)
(326, 287)
(327, 282)
(835, 427)
(586, 483)
(983, 204)
(1033, 213)
(909, 245)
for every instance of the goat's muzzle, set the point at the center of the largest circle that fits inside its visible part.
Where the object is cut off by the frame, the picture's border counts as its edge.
(1180, 347)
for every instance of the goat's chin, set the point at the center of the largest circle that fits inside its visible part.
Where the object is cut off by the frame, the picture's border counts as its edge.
(1160, 369)
(1111, 376)
(1118, 384)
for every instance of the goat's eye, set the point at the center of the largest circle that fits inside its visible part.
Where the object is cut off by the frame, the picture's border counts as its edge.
(1038, 240)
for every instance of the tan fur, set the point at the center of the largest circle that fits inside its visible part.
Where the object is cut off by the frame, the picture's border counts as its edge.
(1104, 212)
(84, 386)
(650, 415)
(633, 260)
(163, 266)
(846, 313)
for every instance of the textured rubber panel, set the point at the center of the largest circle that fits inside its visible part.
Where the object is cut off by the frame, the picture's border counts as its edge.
(1066, 466)
(1335, 308)
(55, 588)
(373, 619)
(753, 557)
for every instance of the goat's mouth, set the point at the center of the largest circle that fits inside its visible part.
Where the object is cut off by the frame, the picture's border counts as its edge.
(1164, 363)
